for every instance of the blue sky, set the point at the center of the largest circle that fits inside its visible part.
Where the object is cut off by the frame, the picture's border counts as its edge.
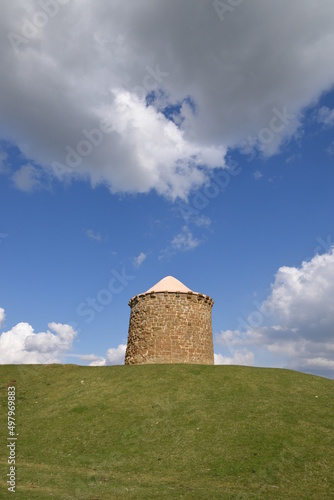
(140, 152)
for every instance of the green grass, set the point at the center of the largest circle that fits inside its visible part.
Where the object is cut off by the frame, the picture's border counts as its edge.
(169, 431)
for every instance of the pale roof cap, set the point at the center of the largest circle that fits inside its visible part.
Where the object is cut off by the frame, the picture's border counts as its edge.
(169, 284)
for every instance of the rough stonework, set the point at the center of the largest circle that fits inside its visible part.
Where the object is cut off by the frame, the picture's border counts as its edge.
(170, 326)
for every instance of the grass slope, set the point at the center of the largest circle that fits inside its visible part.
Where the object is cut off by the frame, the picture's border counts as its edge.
(169, 431)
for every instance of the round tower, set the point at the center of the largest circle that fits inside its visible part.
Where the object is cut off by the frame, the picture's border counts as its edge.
(170, 324)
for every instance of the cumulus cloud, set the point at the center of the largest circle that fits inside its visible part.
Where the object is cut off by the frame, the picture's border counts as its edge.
(115, 356)
(21, 345)
(242, 357)
(229, 339)
(296, 321)
(102, 92)
(301, 298)
(98, 362)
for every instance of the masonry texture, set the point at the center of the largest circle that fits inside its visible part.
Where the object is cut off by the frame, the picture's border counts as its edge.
(170, 327)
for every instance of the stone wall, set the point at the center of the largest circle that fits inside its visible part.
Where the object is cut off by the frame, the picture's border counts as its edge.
(170, 327)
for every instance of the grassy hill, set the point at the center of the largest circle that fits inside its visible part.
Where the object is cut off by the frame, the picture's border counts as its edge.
(169, 431)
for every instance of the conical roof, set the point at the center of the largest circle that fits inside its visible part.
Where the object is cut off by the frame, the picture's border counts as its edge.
(169, 284)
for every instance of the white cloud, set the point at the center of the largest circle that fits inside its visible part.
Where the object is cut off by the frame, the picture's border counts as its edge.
(52, 98)
(93, 235)
(21, 345)
(184, 241)
(296, 321)
(2, 316)
(326, 116)
(242, 357)
(301, 298)
(60, 341)
(229, 339)
(115, 356)
(98, 362)
(319, 363)
(27, 178)
(137, 261)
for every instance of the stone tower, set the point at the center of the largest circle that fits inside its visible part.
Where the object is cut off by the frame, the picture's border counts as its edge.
(170, 324)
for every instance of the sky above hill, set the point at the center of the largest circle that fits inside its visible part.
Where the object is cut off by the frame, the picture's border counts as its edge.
(153, 138)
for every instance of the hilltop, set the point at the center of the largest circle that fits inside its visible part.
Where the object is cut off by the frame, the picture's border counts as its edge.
(169, 431)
